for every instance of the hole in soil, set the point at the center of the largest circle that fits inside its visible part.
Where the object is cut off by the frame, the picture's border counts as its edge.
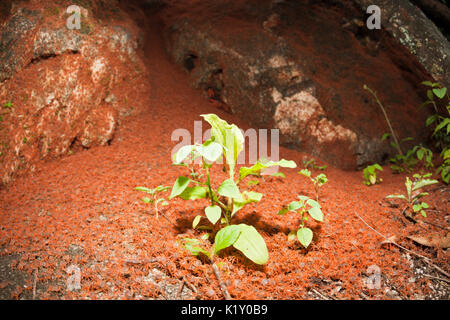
(189, 62)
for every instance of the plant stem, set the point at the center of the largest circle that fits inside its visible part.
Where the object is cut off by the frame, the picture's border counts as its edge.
(222, 285)
(386, 117)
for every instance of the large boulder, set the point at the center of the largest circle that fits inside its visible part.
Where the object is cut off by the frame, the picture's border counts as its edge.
(301, 67)
(62, 88)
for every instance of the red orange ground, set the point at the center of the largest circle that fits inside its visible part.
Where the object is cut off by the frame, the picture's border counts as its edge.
(82, 210)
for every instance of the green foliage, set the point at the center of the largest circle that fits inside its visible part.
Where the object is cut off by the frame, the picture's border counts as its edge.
(413, 193)
(8, 105)
(413, 156)
(311, 163)
(318, 181)
(154, 197)
(226, 141)
(370, 174)
(305, 206)
(439, 99)
(444, 168)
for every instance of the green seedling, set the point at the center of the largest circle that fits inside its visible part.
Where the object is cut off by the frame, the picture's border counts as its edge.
(312, 164)
(444, 168)
(318, 181)
(412, 158)
(226, 200)
(370, 174)
(8, 105)
(154, 197)
(414, 194)
(306, 207)
(439, 99)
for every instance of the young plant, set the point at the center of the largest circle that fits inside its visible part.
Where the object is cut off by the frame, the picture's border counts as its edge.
(413, 195)
(439, 99)
(370, 174)
(311, 163)
(412, 158)
(226, 141)
(444, 168)
(154, 198)
(318, 181)
(304, 207)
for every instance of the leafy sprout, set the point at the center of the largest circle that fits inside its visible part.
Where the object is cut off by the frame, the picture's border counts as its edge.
(414, 194)
(306, 207)
(317, 181)
(154, 197)
(370, 174)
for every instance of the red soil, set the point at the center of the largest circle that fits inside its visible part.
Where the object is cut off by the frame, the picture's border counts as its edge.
(88, 200)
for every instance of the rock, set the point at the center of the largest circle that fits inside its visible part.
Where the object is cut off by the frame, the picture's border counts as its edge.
(67, 87)
(277, 67)
(412, 29)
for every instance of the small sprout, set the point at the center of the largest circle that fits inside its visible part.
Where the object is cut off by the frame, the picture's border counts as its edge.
(154, 198)
(303, 206)
(318, 181)
(312, 164)
(413, 194)
(8, 105)
(370, 174)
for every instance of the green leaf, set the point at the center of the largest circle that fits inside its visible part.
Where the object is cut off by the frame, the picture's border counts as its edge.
(282, 163)
(385, 136)
(194, 193)
(294, 206)
(144, 189)
(283, 211)
(440, 93)
(396, 196)
(252, 244)
(211, 152)
(147, 200)
(316, 213)
(179, 186)
(226, 237)
(229, 189)
(305, 172)
(252, 183)
(248, 197)
(213, 213)
(427, 83)
(193, 246)
(417, 207)
(253, 170)
(196, 221)
(161, 188)
(205, 236)
(313, 203)
(305, 236)
(303, 198)
(431, 119)
(423, 183)
(442, 125)
(183, 152)
(261, 164)
(229, 136)
(279, 174)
